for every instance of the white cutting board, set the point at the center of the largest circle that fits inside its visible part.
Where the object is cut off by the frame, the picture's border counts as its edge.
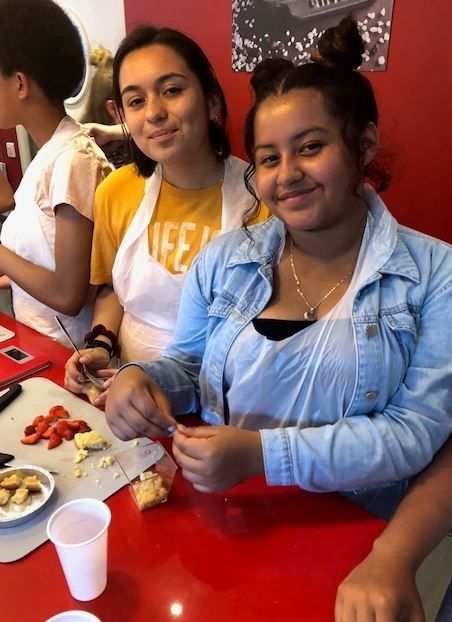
(37, 396)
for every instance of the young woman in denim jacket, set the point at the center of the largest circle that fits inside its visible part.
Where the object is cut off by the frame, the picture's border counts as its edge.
(316, 344)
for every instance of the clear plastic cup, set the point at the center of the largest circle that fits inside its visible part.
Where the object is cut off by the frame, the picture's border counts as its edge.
(150, 472)
(79, 531)
(74, 616)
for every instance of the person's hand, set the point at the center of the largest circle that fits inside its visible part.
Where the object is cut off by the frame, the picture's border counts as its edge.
(105, 134)
(136, 406)
(4, 282)
(215, 458)
(96, 359)
(380, 589)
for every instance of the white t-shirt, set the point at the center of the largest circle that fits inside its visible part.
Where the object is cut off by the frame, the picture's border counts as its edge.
(66, 170)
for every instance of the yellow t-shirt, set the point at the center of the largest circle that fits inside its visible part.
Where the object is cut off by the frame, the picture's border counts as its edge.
(183, 221)
(115, 205)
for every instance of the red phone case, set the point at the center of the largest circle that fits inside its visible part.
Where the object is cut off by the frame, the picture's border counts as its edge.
(17, 363)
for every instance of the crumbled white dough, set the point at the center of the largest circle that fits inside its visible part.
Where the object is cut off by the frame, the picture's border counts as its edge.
(105, 462)
(145, 475)
(80, 455)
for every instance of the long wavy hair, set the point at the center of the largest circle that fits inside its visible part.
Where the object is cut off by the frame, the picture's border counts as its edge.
(199, 64)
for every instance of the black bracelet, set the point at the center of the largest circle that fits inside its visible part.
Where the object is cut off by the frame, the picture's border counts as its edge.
(98, 343)
(100, 329)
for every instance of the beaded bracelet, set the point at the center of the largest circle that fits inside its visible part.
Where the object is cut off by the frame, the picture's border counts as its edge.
(99, 329)
(98, 343)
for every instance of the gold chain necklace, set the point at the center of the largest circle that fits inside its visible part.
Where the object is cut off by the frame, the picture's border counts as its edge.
(311, 314)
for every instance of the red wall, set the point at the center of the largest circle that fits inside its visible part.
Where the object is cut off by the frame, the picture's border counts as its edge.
(414, 94)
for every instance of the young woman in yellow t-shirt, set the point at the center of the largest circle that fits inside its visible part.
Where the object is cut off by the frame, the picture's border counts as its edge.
(154, 216)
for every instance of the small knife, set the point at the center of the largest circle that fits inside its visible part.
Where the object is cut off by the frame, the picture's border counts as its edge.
(14, 391)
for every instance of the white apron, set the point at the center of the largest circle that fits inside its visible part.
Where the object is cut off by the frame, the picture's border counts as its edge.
(147, 291)
(30, 233)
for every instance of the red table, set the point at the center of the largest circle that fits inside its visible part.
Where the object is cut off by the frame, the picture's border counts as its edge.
(253, 554)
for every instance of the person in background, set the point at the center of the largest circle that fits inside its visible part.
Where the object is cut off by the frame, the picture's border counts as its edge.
(382, 588)
(46, 240)
(6, 195)
(317, 344)
(152, 218)
(100, 108)
(6, 204)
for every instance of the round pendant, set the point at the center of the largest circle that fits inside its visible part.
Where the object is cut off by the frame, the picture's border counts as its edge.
(310, 315)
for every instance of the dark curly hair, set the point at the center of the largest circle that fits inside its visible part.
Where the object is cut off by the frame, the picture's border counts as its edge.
(197, 61)
(347, 95)
(39, 39)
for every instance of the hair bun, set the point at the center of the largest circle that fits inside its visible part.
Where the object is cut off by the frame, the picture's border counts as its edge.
(341, 46)
(101, 57)
(268, 75)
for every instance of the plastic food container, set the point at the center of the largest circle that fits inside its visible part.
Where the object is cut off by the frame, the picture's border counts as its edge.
(150, 471)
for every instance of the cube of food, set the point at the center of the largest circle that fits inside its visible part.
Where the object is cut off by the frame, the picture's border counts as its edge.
(12, 482)
(92, 392)
(105, 462)
(78, 472)
(149, 490)
(32, 483)
(90, 440)
(80, 455)
(20, 496)
(4, 496)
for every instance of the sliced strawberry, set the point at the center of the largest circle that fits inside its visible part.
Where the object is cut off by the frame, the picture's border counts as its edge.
(30, 439)
(51, 418)
(41, 428)
(60, 427)
(48, 432)
(57, 412)
(38, 419)
(68, 434)
(84, 427)
(54, 440)
(30, 429)
(74, 424)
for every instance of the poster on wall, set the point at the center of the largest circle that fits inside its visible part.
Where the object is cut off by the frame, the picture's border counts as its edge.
(291, 28)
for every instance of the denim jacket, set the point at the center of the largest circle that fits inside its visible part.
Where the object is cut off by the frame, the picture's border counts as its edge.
(401, 410)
